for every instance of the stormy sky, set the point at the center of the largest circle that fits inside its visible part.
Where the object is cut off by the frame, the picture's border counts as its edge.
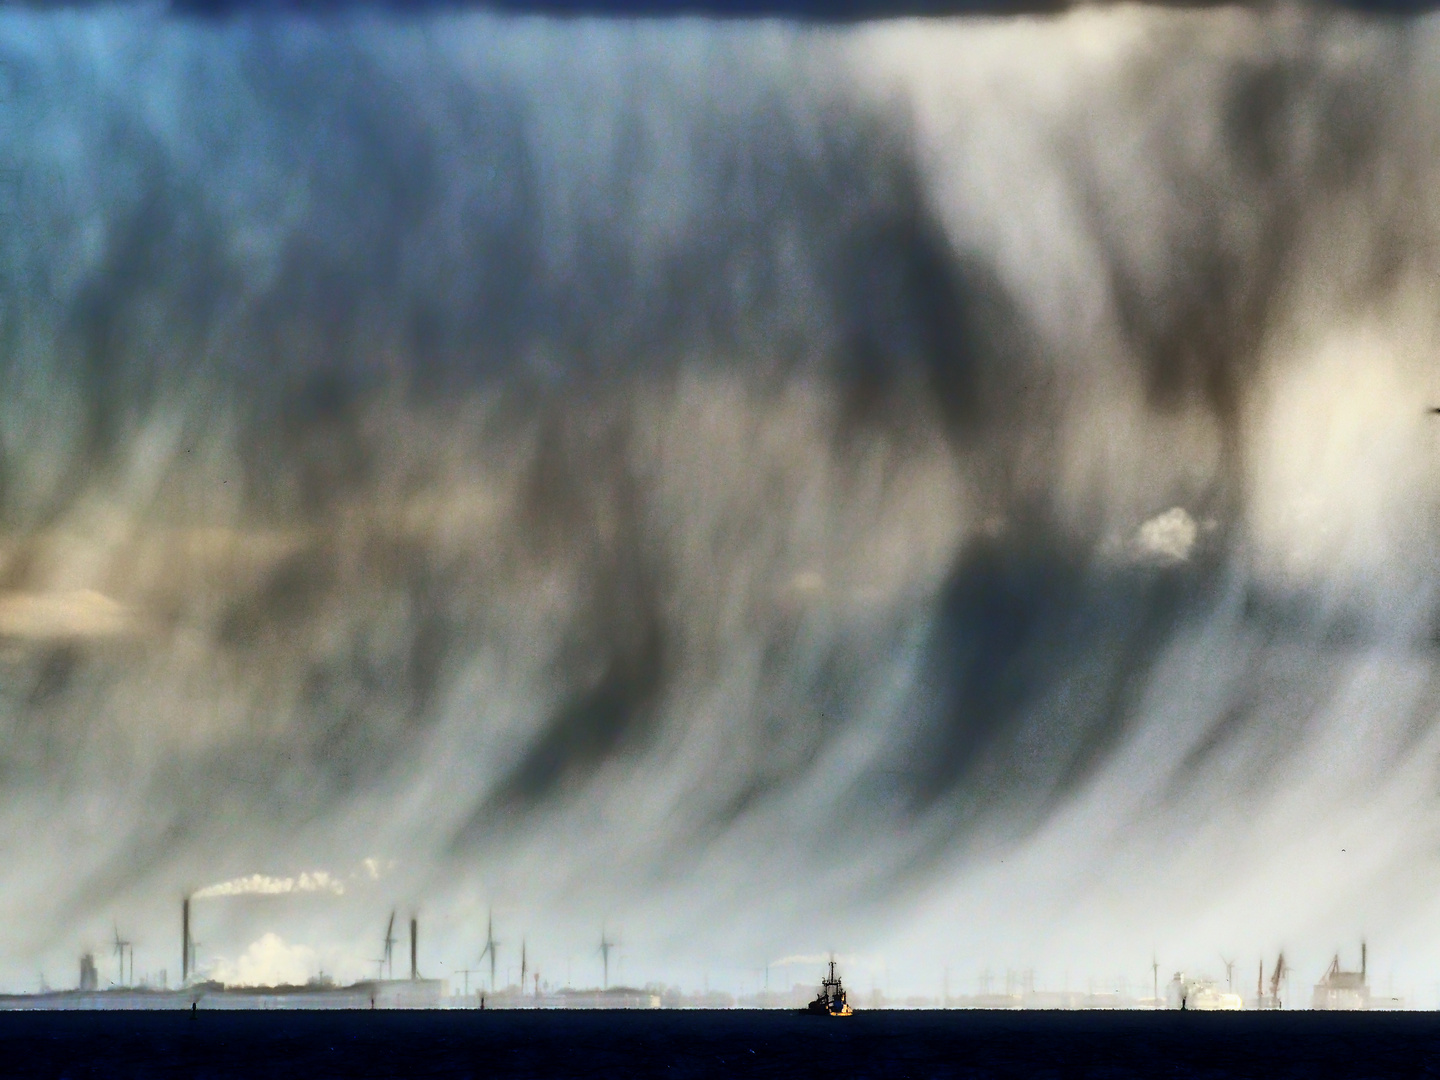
(954, 492)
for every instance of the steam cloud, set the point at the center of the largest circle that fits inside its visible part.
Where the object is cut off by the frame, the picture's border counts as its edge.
(947, 488)
(270, 961)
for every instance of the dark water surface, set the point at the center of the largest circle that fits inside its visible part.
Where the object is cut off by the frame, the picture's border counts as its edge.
(674, 1044)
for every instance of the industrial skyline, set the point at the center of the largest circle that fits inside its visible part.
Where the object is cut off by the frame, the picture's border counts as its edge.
(640, 499)
(1337, 988)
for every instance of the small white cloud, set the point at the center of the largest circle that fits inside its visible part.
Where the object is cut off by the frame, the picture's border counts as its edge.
(372, 867)
(1168, 537)
(78, 613)
(263, 885)
(268, 962)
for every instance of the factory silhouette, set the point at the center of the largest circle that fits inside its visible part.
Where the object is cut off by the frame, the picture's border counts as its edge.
(1336, 989)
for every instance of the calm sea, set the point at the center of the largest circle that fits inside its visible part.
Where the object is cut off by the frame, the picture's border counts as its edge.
(316, 1045)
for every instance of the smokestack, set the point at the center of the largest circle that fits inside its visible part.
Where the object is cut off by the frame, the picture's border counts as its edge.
(414, 972)
(185, 941)
(1362, 961)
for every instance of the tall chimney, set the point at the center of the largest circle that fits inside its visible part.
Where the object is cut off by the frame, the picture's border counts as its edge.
(185, 941)
(1362, 961)
(414, 972)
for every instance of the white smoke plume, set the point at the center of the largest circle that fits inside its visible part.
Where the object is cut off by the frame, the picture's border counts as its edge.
(263, 885)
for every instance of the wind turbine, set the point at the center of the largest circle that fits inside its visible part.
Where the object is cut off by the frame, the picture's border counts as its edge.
(390, 945)
(120, 947)
(604, 950)
(1229, 973)
(490, 946)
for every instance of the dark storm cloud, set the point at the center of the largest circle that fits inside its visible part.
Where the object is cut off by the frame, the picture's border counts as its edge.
(551, 408)
(824, 11)
(1041, 654)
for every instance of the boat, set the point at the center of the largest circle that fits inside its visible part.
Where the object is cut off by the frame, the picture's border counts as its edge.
(831, 999)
